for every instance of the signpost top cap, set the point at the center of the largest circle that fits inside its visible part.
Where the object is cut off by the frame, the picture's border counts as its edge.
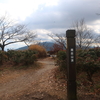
(70, 33)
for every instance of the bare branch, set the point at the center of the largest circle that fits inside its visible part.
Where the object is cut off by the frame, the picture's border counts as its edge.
(59, 38)
(84, 37)
(11, 32)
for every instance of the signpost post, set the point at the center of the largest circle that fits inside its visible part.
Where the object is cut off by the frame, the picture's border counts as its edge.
(71, 65)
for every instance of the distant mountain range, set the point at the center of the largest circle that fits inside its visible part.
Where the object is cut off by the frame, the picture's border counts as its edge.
(23, 48)
(47, 46)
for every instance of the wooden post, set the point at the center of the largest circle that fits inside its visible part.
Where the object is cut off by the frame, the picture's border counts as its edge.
(71, 65)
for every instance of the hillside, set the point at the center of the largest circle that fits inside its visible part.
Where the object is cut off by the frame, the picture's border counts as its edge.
(47, 45)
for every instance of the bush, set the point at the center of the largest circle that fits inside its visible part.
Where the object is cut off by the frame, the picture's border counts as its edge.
(62, 55)
(39, 49)
(88, 61)
(62, 60)
(26, 57)
(3, 57)
(29, 57)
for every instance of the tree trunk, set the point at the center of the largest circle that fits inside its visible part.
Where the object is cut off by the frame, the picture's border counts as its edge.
(2, 48)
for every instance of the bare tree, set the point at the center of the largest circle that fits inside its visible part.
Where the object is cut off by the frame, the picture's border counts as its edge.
(84, 36)
(97, 41)
(59, 39)
(11, 32)
(30, 38)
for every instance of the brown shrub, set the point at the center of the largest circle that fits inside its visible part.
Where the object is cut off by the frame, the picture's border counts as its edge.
(39, 49)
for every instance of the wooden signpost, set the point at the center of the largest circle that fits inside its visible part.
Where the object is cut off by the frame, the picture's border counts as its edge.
(71, 65)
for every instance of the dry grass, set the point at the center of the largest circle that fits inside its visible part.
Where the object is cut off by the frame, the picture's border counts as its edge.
(40, 49)
(9, 72)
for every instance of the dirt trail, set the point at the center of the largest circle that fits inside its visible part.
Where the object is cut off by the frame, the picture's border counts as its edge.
(25, 86)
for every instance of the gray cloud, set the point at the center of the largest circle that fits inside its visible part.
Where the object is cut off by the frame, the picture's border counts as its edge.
(62, 15)
(58, 18)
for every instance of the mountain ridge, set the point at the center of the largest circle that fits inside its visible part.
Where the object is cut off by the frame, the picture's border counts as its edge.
(47, 46)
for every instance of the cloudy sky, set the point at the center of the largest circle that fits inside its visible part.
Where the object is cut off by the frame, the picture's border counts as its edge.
(52, 16)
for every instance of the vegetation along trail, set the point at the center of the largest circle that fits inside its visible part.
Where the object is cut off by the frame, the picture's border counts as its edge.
(30, 84)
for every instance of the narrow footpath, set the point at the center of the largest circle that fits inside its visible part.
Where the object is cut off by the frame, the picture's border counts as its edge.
(32, 84)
